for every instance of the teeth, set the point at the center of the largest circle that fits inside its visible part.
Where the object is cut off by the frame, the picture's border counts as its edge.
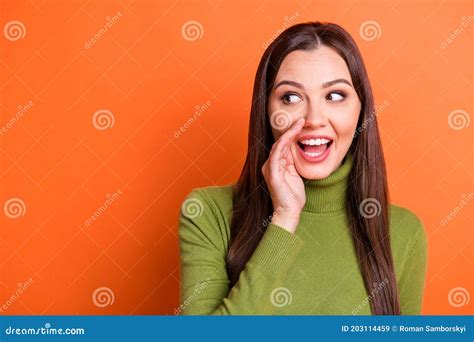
(313, 154)
(313, 142)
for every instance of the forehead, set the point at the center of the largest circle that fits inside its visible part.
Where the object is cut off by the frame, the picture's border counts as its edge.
(311, 68)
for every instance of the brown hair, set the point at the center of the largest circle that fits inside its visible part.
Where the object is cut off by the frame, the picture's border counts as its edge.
(367, 180)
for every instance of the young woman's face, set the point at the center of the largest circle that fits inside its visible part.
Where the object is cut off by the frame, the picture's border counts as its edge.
(317, 86)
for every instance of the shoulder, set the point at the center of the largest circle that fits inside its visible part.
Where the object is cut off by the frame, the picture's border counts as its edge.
(405, 224)
(206, 213)
(215, 198)
(407, 234)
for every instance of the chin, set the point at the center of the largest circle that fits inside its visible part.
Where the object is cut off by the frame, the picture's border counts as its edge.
(313, 171)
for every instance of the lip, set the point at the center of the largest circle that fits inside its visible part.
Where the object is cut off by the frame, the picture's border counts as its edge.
(318, 159)
(312, 136)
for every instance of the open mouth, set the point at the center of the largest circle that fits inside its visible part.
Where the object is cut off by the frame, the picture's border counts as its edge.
(314, 147)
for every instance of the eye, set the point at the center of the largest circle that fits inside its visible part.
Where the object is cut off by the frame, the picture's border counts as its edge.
(290, 98)
(335, 96)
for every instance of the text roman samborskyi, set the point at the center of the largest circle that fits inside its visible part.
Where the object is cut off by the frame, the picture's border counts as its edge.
(430, 328)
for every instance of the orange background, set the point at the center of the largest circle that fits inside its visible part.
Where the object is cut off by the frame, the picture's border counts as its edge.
(153, 80)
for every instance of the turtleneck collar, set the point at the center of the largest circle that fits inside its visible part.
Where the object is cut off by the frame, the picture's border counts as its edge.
(329, 194)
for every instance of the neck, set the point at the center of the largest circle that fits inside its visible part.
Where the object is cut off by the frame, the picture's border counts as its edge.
(329, 194)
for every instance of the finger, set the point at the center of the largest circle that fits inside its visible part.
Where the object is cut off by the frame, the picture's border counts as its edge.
(283, 142)
(288, 156)
(291, 169)
(294, 129)
(290, 166)
(263, 168)
(286, 150)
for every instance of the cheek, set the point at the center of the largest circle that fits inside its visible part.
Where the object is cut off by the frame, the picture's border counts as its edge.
(281, 117)
(280, 121)
(346, 127)
(345, 123)
(276, 134)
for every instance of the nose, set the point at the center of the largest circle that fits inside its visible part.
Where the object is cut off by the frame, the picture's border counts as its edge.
(315, 117)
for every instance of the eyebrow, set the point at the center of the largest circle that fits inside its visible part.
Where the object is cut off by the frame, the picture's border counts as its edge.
(324, 85)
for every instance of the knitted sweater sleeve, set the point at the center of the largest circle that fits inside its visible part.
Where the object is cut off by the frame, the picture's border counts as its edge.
(203, 248)
(412, 279)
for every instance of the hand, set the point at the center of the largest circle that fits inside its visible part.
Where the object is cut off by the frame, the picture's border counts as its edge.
(284, 182)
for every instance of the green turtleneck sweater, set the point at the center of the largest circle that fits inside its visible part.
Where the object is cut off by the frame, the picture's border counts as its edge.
(311, 272)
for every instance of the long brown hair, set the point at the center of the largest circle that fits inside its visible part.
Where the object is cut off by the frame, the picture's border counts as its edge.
(252, 203)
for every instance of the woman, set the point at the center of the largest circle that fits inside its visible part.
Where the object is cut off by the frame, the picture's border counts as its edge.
(308, 228)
